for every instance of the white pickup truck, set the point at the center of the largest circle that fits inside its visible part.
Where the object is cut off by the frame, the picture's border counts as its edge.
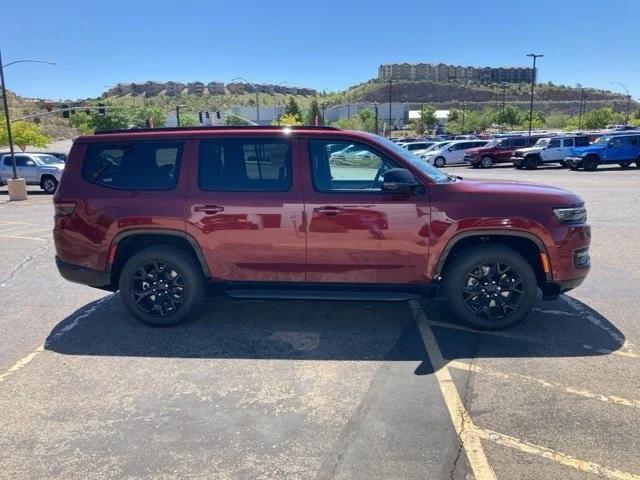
(547, 150)
(36, 168)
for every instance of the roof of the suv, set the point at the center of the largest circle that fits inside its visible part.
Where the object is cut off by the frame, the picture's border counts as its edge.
(182, 132)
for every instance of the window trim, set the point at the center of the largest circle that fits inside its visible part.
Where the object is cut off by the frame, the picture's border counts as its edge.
(264, 139)
(357, 192)
(177, 168)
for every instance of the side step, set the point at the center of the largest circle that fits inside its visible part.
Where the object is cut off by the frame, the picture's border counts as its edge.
(278, 294)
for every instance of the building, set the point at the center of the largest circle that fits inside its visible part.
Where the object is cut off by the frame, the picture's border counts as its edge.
(453, 73)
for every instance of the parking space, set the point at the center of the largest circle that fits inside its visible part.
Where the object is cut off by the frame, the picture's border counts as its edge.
(300, 389)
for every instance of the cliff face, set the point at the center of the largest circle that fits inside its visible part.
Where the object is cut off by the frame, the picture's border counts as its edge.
(171, 89)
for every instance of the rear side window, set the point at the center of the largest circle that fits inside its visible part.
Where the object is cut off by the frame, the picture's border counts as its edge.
(633, 141)
(568, 142)
(245, 164)
(582, 141)
(133, 165)
(520, 142)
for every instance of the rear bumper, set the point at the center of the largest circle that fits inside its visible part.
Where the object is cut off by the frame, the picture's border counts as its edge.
(83, 275)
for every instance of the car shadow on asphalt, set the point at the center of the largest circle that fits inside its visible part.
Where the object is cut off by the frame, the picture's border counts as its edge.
(324, 330)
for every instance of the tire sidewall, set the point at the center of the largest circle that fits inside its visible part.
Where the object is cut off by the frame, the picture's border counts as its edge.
(49, 179)
(487, 164)
(456, 275)
(184, 265)
(439, 162)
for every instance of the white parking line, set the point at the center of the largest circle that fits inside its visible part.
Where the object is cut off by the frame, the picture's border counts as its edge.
(24, 238)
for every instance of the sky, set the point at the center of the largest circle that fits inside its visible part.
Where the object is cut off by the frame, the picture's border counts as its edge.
(326, 45)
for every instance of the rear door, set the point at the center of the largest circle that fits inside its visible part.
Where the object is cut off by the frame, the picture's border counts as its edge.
(567, 145)
(244, 207)
(355, 232)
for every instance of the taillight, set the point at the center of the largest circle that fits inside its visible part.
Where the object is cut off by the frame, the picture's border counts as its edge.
(64, 209)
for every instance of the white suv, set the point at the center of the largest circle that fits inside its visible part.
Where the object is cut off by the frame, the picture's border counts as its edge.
(452, 153)
(36, 168)
(547, 150)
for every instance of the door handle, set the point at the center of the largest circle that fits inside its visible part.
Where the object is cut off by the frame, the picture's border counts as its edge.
(210, 209)
(328, 210)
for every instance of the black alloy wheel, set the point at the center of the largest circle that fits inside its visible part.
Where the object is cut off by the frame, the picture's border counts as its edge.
(492, 290)
(157, 289)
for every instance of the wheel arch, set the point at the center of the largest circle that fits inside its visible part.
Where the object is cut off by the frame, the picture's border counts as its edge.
(128, 242)
(530, 246)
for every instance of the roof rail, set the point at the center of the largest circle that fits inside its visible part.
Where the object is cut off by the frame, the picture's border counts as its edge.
(223, 127)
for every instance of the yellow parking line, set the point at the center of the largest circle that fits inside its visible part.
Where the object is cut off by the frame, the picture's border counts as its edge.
(21, 363)
(557, 457)
(460, 417)
(545, 383)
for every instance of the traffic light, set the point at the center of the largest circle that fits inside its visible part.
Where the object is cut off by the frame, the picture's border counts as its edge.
(101, 109)
(218, 114)
(200, 117)
(206, 114)
(65, 112)
(148, 123)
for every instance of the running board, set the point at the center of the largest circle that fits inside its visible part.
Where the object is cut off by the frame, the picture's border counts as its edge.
(278, 294)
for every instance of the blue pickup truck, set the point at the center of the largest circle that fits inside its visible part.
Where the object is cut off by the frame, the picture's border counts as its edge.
(606, 150)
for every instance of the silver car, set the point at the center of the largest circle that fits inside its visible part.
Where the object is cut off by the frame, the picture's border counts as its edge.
(36, 168)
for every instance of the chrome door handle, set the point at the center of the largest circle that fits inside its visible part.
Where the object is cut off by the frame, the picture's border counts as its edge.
(210, 209)
(328, 210)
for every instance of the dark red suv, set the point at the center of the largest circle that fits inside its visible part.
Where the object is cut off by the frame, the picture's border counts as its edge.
(498, 150)
(268, 212)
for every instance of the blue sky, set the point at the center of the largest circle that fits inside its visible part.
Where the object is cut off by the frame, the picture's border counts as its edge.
(323, 45)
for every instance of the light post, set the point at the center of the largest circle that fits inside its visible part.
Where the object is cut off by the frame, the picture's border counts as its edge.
(390, 85)
(275, 101)
(15, 192)
(583, 107)
(533, 82)
(257, 98)
(504, 98)
(626, 121)
(178, 107)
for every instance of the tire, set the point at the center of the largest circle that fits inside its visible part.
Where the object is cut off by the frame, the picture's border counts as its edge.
(157, 269)
(49, 184)
(439, 162)
(625, 164)
(531, 163)
(487, 305)
(486, 162)
(590, 164)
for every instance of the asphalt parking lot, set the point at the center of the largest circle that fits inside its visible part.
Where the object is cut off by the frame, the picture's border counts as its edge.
(296, 389)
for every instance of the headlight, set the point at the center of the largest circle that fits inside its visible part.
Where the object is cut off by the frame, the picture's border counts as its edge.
(571, 215)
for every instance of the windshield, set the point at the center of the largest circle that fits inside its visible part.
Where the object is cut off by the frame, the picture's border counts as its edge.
(48, 160)
(424, 167)
(492, 143)
(437, 146)
(543, 142)
(602, 141)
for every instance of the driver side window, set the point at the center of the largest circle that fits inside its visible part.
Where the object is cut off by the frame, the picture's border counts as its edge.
(339, 166)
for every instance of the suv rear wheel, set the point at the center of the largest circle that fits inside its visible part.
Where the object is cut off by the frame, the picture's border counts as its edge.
(486, 162)
(625, 164)
(161, 286)
(490, 287)
(49, 184)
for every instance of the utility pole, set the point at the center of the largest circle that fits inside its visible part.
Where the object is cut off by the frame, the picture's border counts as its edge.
(504, 98)
(464, 106)
(626, 90)
(533, 82)
(178, 107)
(582, 108)
(375, 109)
(390, 84)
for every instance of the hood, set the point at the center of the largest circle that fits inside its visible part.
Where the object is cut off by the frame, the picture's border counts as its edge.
(57, 166)
(520, 192)
(529, 150)
(578, 151)
(478, 150)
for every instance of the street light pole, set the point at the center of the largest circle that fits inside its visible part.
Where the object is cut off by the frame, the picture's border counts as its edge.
(533, 82)
(626, 90)
(504, 98)
(5, 104)
(390, 84)
(178, 107)
(255, 89)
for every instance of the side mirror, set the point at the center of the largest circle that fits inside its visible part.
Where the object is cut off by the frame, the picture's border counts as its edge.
(30, 163)
(400, 180)
(450, 149)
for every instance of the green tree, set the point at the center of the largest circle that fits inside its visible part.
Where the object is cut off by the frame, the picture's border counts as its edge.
(232, 120)
(538, 120)
(314, 115)
(154, 114)
(188, 120)
(557, 120)
(511, 116)
(366, 120)
(426, 121)
(26, 134)
(292, 108)
(599, 118)
(289, 120)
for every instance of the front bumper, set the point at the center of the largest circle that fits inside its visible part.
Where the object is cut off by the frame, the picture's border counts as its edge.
(517, 161)
(472, 160)
(573, 161)
(83, 275)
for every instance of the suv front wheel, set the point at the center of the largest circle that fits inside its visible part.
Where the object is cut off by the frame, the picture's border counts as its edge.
(490, 287)
(486, 162)
(161, 286)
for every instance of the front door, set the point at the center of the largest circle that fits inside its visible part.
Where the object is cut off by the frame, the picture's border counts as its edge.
(355, 232)
(26, 168)
(244, 207)
(553, 151)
